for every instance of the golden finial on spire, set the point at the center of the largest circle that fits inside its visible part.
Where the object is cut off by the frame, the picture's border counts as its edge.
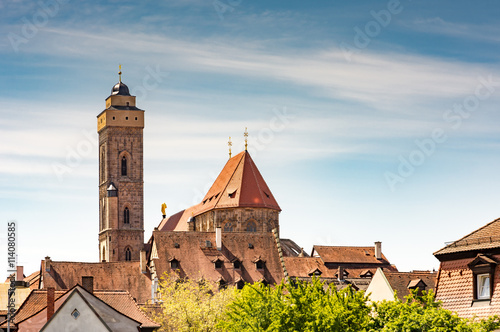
(163, 207)
(120, 73)
(229, 143)
(245, 134)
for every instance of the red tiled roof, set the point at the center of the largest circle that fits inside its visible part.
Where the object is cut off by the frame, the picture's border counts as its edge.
(349, 255)
(34, 303)
(122, 302)
(239, 184)
(119, 300)
(108, 275)
(455, 289)
(300, 267)
(196, 260)
(486, 237)
(399, 281)
(178, 221)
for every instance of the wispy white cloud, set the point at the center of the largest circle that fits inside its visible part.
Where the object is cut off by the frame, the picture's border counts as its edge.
(437, 25)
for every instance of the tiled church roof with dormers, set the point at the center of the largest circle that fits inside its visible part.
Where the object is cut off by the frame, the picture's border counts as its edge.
(196, 254)
(239, 184)
(486, 237)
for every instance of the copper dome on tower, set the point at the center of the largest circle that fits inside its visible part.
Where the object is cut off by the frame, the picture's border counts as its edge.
(120, 89)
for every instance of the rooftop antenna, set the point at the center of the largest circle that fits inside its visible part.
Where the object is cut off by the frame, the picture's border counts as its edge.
(245, 134)
(229, 143)
(120, 72)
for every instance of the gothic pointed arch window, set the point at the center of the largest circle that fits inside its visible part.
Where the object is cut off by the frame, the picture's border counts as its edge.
(228, 227)
(126, 216)
(124, 166)
(128, 254)
(251, 226)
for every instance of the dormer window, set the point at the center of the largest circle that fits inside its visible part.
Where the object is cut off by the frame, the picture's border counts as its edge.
(483, 268)
(314, 272)
(237, 264)
(417, 284)
(174, 264)
(366, 274)
(124, 166)
(218, 263)
(259, 263)
(240, 284)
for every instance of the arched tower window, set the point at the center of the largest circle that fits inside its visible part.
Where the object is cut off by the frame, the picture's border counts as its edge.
(124, 166)
(128, 254)
(103, 259)
(103, 165)
(126, 216)
(251, 227)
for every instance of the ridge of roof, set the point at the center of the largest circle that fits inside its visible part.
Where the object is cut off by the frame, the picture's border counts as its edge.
(457, 246)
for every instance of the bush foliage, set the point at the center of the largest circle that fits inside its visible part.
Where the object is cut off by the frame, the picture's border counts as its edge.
(302, 306)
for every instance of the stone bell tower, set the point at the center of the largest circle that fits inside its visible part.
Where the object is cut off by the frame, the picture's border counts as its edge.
(121, 194)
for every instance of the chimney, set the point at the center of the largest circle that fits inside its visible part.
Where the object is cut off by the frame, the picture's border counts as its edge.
(378, 250)
(340, 273)
(218, 238)
(48, 263)
(88, 284)
(50, 302)
(19, 274)
(144, 262)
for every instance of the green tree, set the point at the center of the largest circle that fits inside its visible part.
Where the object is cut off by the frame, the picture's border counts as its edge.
(191, 306)
(421, 313)
(300, 306)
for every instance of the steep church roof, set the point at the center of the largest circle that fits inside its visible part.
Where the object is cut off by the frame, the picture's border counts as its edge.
(239, 184)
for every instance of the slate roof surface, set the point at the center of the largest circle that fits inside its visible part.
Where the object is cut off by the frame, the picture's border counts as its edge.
(196, 260)
(108, 275)
(486, 237)
(399, 281)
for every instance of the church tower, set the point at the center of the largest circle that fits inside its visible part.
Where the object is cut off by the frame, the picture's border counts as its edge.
(121, 194)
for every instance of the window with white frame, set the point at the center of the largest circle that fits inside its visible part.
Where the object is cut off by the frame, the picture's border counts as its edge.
(483, 286)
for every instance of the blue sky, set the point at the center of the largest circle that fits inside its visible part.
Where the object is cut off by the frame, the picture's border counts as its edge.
(370, 121)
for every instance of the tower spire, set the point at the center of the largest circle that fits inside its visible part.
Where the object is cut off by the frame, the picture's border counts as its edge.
(229, 143)
(245, 134)
(120, 72)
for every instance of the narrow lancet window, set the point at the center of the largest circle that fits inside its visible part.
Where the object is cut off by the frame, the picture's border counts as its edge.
(124, 166)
